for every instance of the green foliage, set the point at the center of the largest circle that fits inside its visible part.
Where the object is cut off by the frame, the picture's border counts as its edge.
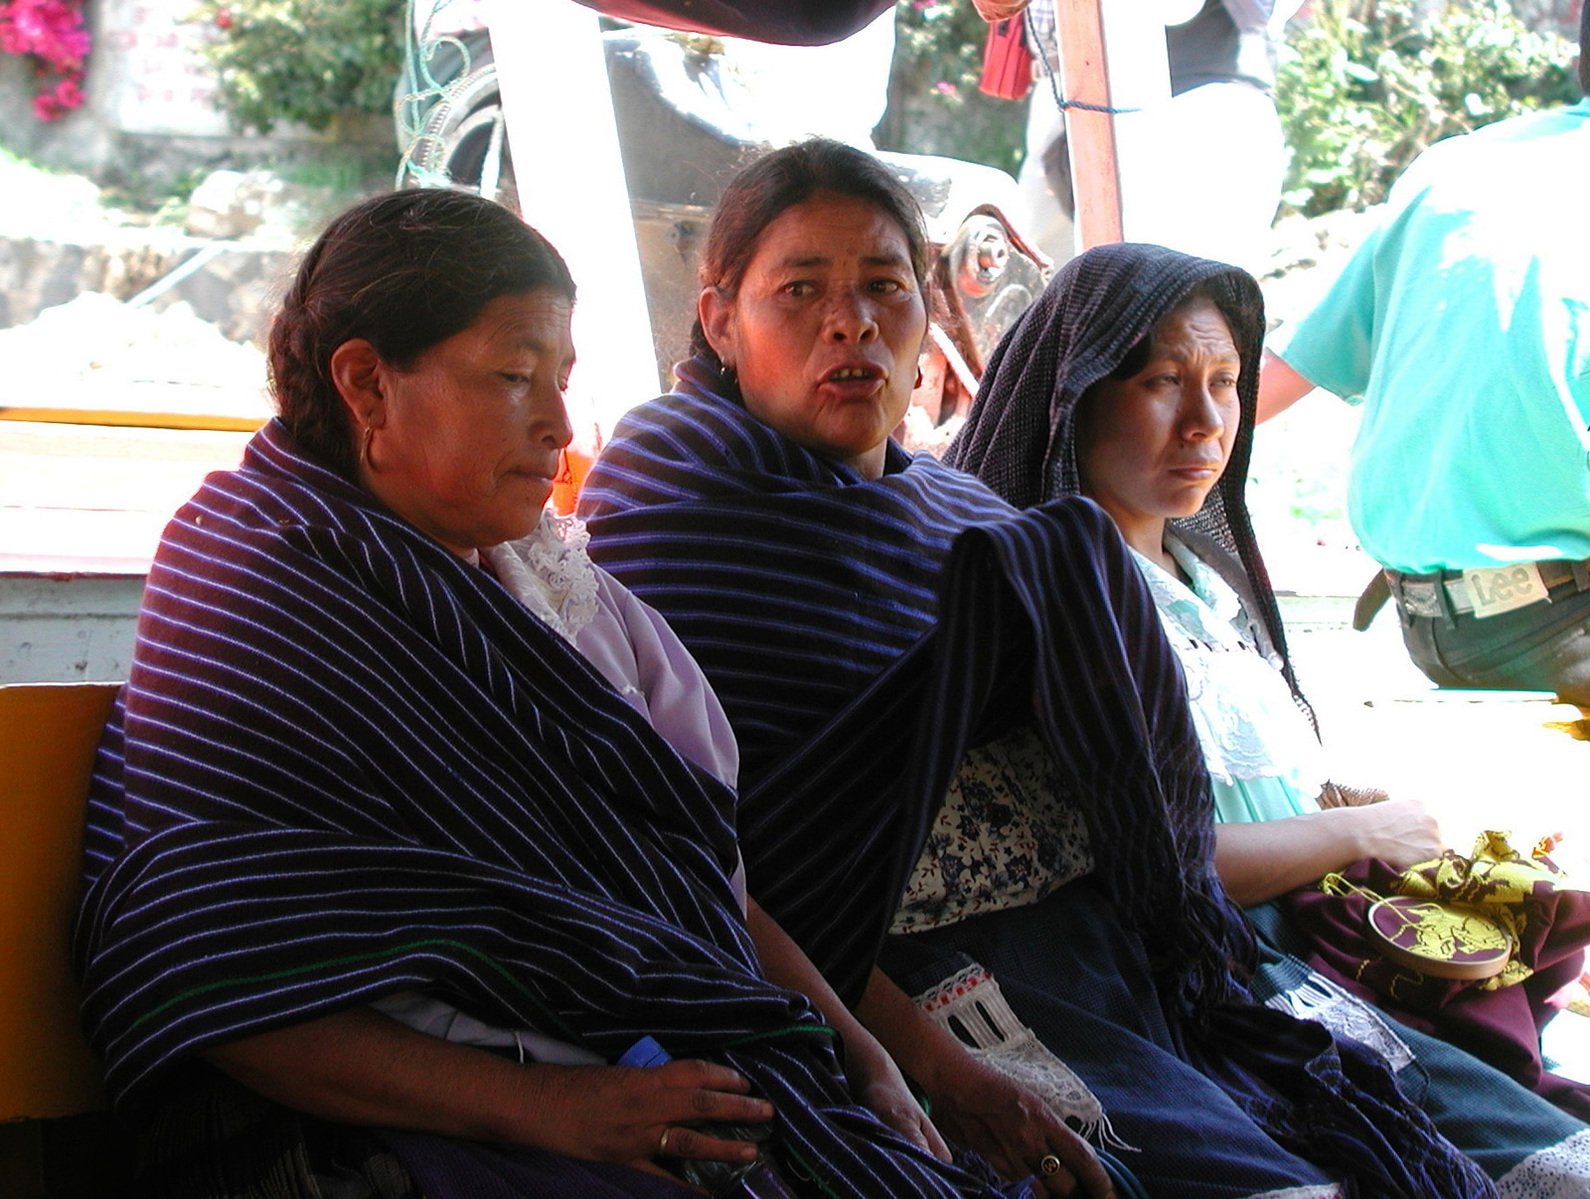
(934, 104)
(161, 197)
(1366, 84)
(306, 61)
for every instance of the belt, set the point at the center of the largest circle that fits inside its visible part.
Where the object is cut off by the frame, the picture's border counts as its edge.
(1420, 595)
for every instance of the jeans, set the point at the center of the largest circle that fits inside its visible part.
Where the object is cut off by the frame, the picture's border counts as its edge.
(1544, 647)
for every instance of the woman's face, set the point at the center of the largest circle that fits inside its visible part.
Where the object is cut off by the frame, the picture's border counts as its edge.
(466, 440)
(825, 328)
(1151, 447)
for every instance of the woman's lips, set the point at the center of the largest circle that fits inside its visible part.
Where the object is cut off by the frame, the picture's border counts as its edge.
(546, 469)
(535, 475)
(853, 380)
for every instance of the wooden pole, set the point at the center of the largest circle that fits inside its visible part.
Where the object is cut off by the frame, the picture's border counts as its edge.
(1090, 131)
(1113, 74)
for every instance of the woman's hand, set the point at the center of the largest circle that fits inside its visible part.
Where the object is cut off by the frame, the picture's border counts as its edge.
(1399, 831)
(977, 1106)
(874, 1078)
(1015, 1130)
(1260, 860)
(360, 1066)
(878, 1085)
(622, 1114)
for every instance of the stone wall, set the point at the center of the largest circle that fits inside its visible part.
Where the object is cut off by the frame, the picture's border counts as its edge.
(59, 240)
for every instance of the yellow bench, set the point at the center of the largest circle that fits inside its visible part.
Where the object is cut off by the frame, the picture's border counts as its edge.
(52, 1126)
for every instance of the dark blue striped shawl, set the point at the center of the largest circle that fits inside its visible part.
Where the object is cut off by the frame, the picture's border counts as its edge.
(862, 634)
(347, 763)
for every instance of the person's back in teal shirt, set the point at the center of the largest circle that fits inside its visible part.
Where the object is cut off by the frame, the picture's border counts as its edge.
(1463, 322)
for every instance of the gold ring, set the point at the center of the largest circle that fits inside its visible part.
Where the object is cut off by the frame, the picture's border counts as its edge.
(662, 1145)
(1049, 1164)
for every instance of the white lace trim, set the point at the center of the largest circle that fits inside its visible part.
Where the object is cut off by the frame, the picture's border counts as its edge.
(970, 1005)
(1560, 1172)
(550, 573)
(1327, 1190)
(1247, 724)
(1317, 998)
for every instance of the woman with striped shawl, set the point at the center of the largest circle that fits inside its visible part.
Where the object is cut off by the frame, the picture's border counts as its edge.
(1133, 380)
(410, 822)
(966, 753)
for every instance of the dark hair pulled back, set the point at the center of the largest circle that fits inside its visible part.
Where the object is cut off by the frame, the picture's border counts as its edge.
(403, 271)
(780, 179)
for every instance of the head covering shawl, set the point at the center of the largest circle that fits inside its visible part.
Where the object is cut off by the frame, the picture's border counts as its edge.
(1020, 437)
(348, 763)
(861, 633)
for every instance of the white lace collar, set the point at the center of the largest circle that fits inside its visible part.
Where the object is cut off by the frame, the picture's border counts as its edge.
(1204, 600)
(1241, 705)
(550, 573)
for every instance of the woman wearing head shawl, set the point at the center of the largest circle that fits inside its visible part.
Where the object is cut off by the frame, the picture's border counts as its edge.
(966, 750)
(1132, 381)
(410, 822)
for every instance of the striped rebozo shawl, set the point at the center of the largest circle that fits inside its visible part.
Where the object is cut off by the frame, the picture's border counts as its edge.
(348, 763)
(861, 634)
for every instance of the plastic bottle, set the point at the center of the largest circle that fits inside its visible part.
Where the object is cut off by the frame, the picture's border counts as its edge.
(756, 1179)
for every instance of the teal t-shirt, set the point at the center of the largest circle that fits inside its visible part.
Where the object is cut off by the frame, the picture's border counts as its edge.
(1463, 324)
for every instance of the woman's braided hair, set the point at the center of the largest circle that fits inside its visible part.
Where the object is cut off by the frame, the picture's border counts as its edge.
(403, 271)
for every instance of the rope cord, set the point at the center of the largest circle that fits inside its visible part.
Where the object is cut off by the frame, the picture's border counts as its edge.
(1041, 53)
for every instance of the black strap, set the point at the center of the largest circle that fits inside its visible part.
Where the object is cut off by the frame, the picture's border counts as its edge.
(1372, 600)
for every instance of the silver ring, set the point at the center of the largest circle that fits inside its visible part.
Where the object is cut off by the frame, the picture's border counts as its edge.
(662, 1145)
(1049, 1164)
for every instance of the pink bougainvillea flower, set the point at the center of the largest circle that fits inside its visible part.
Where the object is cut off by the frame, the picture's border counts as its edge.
(46, 107)
(12, 40)
(54, 28)
(51, 35)
(69, 91)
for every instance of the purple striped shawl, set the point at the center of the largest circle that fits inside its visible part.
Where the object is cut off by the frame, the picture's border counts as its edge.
(347, 763)
(862, 633)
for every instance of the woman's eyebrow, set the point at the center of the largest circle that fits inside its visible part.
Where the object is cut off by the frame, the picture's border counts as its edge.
(802, 261)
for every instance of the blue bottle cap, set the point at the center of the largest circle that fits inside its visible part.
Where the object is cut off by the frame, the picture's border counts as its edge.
(645, 1052)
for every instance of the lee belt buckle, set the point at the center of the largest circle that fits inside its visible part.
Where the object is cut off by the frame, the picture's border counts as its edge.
(1499, 589)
